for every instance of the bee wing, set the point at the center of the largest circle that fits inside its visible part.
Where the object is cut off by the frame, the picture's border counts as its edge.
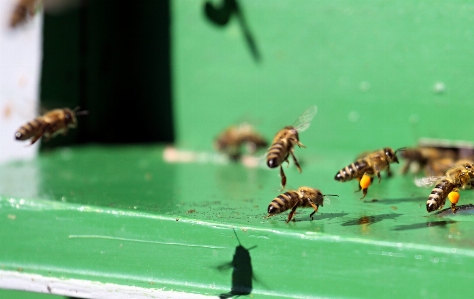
(304, 120)
(328, 198)
(427, 181)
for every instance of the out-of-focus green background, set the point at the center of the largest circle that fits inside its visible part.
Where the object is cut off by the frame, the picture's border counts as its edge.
(381, 74)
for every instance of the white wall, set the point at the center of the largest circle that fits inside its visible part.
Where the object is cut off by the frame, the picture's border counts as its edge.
(20, 65)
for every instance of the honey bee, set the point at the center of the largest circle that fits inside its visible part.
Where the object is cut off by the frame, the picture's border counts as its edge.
(365, 168)
(285, 140)
(49, 125)
(459, 176)
(24, 9)
(304, 197)
(427, 157)
(231, 140)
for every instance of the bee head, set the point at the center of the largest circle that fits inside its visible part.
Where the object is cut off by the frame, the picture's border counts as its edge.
(70, 118)
(391, 155)
(469, 167)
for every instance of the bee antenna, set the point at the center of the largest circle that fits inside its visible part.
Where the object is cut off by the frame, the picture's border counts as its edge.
(77, 112)
(83, 112)
(237, 237)
(402, 149)
(330, 195)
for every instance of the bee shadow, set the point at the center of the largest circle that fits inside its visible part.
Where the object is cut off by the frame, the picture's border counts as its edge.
(319, 217)
(242, 272)
(221, 14)
(443, 224)
(461, 211)
(391, 201)
(370, 219)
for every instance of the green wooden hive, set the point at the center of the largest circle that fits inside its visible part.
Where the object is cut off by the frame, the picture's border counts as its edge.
(120, 219)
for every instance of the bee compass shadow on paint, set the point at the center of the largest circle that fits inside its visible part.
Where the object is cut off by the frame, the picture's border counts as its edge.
(242, 272)
(462, 210)
(442, 224)
(370, 219)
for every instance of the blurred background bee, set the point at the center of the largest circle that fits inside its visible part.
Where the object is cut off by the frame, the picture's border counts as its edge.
(435, 156)
(305, 197)
(52, 123)
(459, 176)
(231, 140)
(285, 140)
(23, 11)
(365, 168)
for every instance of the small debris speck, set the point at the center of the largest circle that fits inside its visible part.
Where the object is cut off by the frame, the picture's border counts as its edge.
(439, 87)
(191, 211)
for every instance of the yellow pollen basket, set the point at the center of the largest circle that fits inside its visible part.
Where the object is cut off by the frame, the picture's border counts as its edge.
(454, 197)
(365, 181)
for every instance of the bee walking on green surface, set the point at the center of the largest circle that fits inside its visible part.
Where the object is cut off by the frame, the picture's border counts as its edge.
(304, 197)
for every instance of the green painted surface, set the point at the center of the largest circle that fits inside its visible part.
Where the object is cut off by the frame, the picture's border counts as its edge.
(122, 215)
(26, 295)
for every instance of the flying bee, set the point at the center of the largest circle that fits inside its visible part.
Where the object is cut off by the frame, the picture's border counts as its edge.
(304, 197)
(231, 140)
(49, 125)
(285, 140)
(459, 176)
(365, 168)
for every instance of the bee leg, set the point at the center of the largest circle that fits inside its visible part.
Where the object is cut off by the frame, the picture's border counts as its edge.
(454, 208)
(39, 135)
(378, 175)
(405, 168)
(296, 162)
(283, 178)
(364, 184)
(47, 128)
(35, 138)
(389, 173)
(360, 188)
(290, 216)
(300, 144)
(315, 207)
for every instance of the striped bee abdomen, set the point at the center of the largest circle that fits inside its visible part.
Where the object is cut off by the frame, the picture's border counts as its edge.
(438, 195)
(30, 129)
(355, 170)
(283, 202)
(277, 153)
